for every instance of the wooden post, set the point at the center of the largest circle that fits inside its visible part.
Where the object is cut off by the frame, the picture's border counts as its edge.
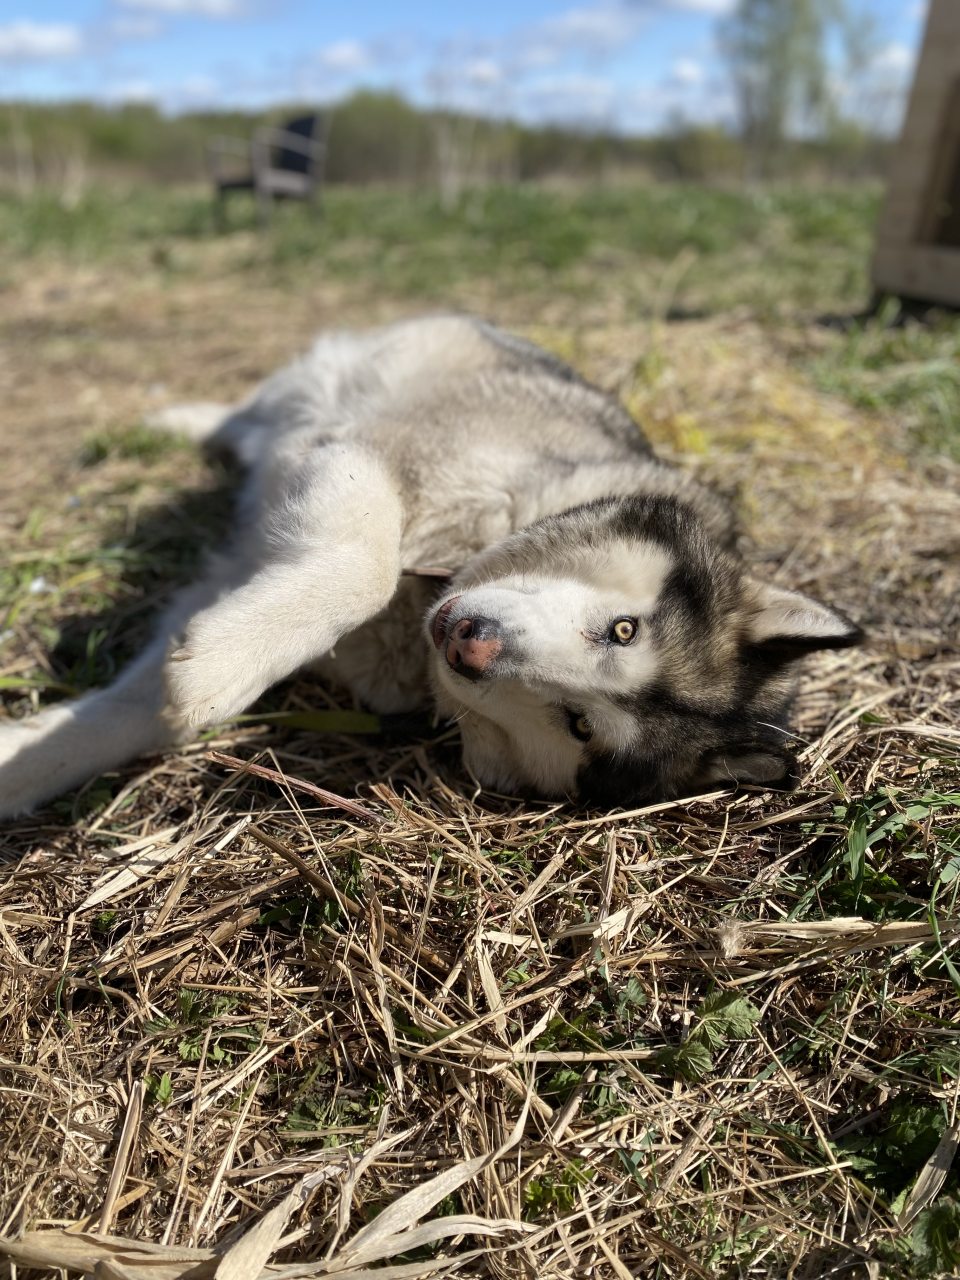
(917, 252)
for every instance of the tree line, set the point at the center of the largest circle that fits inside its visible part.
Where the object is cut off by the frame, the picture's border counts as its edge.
(381, 138)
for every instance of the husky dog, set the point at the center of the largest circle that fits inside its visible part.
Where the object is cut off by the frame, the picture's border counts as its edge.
(600, 638)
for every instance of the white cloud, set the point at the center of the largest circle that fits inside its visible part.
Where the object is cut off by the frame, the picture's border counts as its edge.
(483, 72)
(895, 58)
(650, 106)
(120, 91)
(715, 7)
(531, 55)
(187, 94)
(595, 30)
(876, 97)
(34, 41)
(686, 71)
(344, 56)
(188, 8)
(197, 87)
(546, 69)
(134, 27)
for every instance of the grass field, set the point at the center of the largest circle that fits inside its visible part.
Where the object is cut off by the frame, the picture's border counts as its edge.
(718, 1039)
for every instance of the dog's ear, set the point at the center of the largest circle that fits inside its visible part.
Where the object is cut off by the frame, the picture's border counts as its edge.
(786, 624)
(760, 764)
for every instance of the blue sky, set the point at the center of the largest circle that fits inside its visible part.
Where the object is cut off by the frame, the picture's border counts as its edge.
(627, 64)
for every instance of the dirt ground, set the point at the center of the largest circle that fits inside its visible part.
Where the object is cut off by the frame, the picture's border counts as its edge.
(465, 997)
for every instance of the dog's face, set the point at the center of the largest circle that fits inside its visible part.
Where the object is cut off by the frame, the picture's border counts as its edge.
(618, 654)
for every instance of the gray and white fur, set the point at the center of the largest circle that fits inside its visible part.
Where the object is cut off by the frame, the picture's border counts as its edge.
(600, 639)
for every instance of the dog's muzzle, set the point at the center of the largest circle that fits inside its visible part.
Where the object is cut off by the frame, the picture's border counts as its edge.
(470, 645)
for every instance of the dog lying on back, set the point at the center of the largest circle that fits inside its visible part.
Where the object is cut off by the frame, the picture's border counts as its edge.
(600, 638)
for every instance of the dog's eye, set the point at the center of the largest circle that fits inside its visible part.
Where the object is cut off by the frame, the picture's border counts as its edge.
(623, 630)
(579, 726)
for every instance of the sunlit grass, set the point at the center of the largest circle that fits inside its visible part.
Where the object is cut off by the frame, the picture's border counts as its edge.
(904, 367)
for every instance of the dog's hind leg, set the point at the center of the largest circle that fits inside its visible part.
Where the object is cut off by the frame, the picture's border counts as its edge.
(198, 420)
(236, 431)
(310, 390)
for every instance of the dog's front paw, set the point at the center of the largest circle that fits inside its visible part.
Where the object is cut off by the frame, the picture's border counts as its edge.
(208, 679)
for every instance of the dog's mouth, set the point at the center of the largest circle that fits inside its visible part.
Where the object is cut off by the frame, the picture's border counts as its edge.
(440, 627)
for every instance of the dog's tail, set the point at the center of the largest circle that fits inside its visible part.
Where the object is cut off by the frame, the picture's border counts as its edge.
(235, 431)
(199, 420)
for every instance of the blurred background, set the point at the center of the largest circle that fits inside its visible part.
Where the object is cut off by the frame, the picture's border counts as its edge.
(664, 149)
(455, 96)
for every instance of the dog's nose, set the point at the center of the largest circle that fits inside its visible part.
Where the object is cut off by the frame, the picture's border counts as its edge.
(473, 645)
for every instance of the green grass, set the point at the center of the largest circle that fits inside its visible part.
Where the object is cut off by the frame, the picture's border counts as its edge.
(136, 443)
(763, 248)
(904, 367)
(90, 596)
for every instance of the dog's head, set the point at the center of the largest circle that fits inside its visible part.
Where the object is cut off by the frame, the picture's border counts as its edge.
(618, 653)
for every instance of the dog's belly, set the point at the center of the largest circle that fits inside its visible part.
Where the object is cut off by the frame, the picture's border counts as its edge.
(384, 662)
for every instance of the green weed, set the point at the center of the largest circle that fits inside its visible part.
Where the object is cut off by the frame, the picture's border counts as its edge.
(888, 1156)
(724, 1016)
(908, 369)
(318, 1105)
(205, 1030)
(158, 1089)
(551, 1195)
(137, 443)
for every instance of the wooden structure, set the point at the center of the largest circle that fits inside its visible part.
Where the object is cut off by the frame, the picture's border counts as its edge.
(918, 239)
(281, 163)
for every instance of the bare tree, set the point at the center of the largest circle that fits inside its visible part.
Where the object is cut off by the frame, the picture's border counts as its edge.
(24, 159)
(455, 154)
(778, 52)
